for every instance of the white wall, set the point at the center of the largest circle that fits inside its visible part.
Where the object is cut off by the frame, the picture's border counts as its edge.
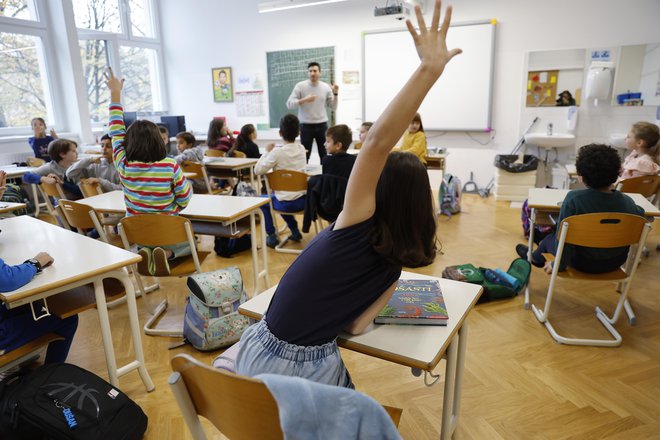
(203, 34)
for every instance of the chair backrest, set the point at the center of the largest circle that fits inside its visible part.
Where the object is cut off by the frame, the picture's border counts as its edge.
(155, 229)
(214, 153)
(645, 185)
(193, 167)
(287, 180)
(78, 214)
(34, 162)
(237, 153)
(603, 229)
(240, 407)
(52, 189)
(90, 189)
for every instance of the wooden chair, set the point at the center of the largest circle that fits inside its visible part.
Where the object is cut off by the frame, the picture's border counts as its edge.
(55, 191)
(648, 186)
(214, 153)
(240, 154)
(23, 353)
(34, 162)
(154, 230)
(285, 180)
(89, 189)
(240, 407)
(599, 230)
(200, 174)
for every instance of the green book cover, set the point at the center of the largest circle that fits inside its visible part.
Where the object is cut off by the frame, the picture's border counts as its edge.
(416, 302)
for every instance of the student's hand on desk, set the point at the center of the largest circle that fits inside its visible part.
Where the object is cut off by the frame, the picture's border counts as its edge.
(431, 43)
(44, 259)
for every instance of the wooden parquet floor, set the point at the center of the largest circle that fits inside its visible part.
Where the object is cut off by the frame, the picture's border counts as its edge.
(518, 383)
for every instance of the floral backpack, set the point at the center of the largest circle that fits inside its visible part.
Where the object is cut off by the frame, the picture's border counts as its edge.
(211, 319)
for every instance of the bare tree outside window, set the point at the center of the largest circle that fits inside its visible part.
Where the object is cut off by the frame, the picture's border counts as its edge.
(94, 55)
(141, 24)
(21, 90)
(139, 69)
(100, 15)
(16, 9)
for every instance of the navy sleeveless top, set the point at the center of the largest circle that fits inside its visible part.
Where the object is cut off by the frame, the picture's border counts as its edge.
(335, 279)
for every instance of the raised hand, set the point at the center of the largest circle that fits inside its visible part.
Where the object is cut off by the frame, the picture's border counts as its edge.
(114, 84)
(53, 133)
(431, 43)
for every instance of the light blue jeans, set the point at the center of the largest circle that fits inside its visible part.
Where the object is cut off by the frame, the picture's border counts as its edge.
(262, 352)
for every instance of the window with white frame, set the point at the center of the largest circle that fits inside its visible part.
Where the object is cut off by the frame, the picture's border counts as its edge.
(119, 34)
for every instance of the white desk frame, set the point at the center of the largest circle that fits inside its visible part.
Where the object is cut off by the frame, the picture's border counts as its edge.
(79, 260)
(548, 199)
(226, 210)
(417, 347)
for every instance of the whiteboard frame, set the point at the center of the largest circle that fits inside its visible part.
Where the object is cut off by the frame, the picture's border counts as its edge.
(488, 128)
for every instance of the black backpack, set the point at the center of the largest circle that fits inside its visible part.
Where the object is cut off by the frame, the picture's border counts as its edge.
(63, 401)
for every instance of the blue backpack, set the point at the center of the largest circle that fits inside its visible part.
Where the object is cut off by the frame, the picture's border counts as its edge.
(449, 196)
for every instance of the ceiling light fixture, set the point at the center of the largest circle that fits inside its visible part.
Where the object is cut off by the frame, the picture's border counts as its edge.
(281, 5)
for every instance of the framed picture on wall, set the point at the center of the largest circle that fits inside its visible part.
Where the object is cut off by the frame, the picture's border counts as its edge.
(222, 87)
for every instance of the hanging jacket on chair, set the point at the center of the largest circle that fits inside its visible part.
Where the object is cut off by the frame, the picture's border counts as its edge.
(325, 198)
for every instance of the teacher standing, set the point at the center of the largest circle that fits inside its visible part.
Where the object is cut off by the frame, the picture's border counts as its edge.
(311, 97)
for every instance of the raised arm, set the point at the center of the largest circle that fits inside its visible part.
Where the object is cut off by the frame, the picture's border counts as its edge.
(360, 201)
(117, 129)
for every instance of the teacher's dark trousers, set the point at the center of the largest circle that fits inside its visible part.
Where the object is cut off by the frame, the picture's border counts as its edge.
(311, 132)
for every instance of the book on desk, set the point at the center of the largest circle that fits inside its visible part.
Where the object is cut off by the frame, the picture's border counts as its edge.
(415, 302)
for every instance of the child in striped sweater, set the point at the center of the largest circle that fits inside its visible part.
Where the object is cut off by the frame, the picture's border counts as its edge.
(152, 182)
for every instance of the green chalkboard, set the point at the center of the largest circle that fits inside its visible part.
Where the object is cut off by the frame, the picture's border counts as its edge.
(288, 67)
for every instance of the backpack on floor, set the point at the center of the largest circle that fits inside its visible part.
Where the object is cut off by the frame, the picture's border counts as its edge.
(226, 247)
(496, 285)
(449, 195)
(211, 319)
(16, 194)
(63, 401)
(540, 231)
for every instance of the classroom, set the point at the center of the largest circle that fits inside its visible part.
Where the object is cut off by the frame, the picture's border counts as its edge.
(206, 59)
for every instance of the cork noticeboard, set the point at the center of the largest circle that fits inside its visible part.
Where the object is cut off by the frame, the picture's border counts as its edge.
(542, 88)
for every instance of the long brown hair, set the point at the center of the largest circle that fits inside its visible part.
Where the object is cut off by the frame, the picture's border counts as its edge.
(143, 142)
(215, 132)
(405, 230)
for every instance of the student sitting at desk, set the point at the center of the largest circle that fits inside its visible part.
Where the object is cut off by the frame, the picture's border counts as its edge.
(40, 141)
(170, 147)
(152, 182)
(644, 158)
(187, 151)
(364, 129)
(97, 169)
(245, 143)
(17, 327)
(218, 136)
(414, 140)
(63, 154)
(318, 296)
(599, 166)
(339, 162)
(290, 156)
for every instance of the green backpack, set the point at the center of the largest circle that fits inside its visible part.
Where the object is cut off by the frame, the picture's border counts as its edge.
(519, 269)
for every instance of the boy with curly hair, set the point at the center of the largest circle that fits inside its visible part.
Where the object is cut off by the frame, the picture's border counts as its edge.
(599, 167)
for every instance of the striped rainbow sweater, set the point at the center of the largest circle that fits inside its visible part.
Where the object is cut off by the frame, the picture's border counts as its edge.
(155, 187)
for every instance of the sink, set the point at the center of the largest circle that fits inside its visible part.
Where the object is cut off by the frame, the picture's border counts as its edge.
(617, 140)
(555, 140)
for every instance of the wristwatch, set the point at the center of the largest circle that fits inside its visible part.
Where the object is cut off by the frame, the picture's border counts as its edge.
(35, 263)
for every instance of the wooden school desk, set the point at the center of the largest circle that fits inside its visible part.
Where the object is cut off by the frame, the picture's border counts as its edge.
(415, 346)
(235, 164)
(79, 260)
(9, 207)
(207, 208)
(550, 200)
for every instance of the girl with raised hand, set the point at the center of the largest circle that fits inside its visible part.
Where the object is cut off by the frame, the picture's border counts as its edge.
(349, 271)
